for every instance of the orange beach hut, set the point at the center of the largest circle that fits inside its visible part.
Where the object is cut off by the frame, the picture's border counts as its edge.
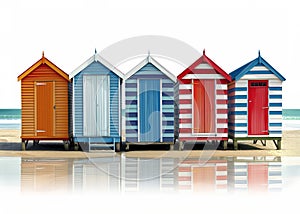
(44, 101)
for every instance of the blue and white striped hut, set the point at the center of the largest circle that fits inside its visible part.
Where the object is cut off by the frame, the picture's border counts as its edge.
(255, 103)
(96, 104)
(149, 103)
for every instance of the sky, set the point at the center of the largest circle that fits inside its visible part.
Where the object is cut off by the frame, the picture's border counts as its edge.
(231, 32)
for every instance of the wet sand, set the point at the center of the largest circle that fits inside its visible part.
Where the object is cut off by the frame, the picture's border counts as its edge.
(290, 147)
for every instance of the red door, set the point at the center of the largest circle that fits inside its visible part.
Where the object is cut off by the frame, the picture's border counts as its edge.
(204, 106)
(258, 109)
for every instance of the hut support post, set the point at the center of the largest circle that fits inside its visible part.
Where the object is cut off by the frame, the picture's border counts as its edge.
(24, 144)
(225, 144)
(277, 144)
(172, 147)
(235, 144)
(180, 145)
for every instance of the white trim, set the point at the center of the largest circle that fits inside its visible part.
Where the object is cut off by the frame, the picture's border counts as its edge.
(192, 117)
(275, 128)
(215, 104)
(161, 111)
(221, 96)
(151, 60)
(221, 106)
(259, 68)
(203, 134)
(109, 104)
(259, 77)
(241, 93)
(204, 66)
(138, 108)
(185, 116)
(221, 86)
(186, 106)
(96, 58)
(271, 92)
(73, 107)
(203, 76)
(241, 83)
(275, 109)
(185, 125)
(186, 86)
(222, 125)
(276, 82)
(120, 111)
(185, 96)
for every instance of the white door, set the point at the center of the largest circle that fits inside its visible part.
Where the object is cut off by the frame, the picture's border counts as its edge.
(96, 105)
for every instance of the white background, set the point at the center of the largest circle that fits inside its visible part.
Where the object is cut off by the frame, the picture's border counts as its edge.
(231, 31)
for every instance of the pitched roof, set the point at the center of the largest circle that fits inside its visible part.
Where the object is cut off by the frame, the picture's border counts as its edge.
(240, 72)
(204, 59)
(44, 60)
(96, 58)
(151, 60)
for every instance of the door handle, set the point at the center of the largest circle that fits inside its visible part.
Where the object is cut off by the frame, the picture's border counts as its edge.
(54, 107)
(265, 107)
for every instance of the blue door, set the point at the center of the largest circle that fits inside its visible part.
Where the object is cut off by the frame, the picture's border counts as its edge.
(149, 110)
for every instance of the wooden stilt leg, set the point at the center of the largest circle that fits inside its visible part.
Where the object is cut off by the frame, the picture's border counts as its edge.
(76, 146)
(23, 145)
(66, 145)
(279, 144)
(265, 143)
(180, 145)
(235, 144)
(225, 144)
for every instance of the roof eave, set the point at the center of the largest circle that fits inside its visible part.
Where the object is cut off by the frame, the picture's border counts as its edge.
(44, 60)
(82, 66)
(107, 64)
(96, 58)
(151, 60)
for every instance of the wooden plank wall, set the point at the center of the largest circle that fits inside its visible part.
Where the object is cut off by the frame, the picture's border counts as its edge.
(44, 73)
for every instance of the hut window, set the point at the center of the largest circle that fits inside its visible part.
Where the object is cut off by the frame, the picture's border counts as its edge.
(96, 105)
(204, 106)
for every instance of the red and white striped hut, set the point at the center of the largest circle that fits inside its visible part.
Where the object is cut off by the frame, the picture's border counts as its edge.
(201, 103)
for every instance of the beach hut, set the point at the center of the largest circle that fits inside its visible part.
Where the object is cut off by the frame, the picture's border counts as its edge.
(96, 104)
(44, 95)
(255, 103)
(149, 101)
(201, 103)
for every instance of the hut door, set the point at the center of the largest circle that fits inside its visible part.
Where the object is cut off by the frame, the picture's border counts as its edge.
(96, 105)
(149, 110)
(258, 110)
(204, 106)
(45, 108)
